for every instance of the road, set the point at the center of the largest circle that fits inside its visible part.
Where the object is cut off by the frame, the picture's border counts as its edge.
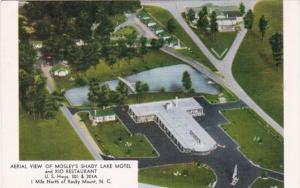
(223, 66)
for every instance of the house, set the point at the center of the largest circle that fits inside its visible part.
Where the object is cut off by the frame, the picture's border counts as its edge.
(149, 22)
(228, 17)
(99, 116)
(165, 35)
(144, 15)
(37, 44)
(157, 29)
(60, 70)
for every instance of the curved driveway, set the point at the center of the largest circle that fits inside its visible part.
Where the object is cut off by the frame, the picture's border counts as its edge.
(224, 66)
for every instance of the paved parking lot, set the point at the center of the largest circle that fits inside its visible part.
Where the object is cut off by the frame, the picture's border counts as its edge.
(222, 160)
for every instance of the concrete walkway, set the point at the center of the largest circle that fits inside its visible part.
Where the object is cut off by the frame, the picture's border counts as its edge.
(223, 66)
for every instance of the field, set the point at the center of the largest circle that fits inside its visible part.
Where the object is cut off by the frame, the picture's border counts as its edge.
(253, 66)
(52, 139)
(267, 183)
(124, 67)
(197, 177)
(259, 142)
(163, 16)
(114, 139)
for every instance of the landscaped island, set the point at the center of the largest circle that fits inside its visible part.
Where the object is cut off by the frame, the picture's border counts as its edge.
(178, 176)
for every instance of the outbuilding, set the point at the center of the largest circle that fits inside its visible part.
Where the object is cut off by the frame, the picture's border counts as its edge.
(60, 70)
(99, 116)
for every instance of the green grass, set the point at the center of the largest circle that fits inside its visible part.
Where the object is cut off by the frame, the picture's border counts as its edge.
(267, 183)
(125, 31)
(198, 177)
(52, 139)
(118, 19)
(163, 16)
(104, 72)
(112, 137)
(253, 66)
(244, 126)
(220, 42)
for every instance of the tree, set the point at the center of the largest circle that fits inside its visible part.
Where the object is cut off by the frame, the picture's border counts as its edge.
(186, 80)
(122, 88)
(204, 11)
(263, 24)
(94, 92)
(157, 43)
(141, 88)
(242, 8)
(104, 95)
(203, 23)
(213, 23)
(143, 49)
(248, 19)
(276, 42)
(171, 25)
(43, 29)
(191, 15)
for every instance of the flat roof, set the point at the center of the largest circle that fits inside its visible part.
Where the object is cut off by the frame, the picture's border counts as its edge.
(182, 125)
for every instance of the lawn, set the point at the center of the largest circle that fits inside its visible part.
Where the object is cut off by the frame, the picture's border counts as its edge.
(125, 32)
(113, 139)
(253, 66)
(51, 139)
(259, 142)
(267, 183)
(163, 16)
(220, 43)
(196, 176)
(117, 19)
(124, 67)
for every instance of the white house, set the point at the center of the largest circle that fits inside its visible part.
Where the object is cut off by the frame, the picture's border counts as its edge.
(99, 116)
(60, 70)
(229, 18)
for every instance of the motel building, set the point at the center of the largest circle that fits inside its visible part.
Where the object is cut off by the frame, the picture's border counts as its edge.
(175, 119)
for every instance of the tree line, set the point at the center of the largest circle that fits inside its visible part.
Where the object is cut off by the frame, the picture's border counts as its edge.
(275, 40)
(61, 25)
(206, 23)
(33, 96)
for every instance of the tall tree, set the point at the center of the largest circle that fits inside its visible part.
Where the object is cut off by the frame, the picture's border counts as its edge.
(171, 25)
(104, 96)
(191, 15)
(276, 42)
(213, 23)
(242, 8)
(143, 48)
(203, 23)
(263, 25)
(94, 92)
(248, 19)
(122, 88)
(186, 80)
